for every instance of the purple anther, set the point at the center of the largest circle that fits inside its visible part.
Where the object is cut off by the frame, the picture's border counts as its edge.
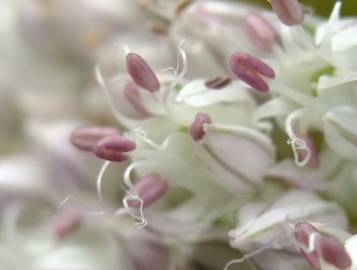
(150, 189)
(66, 223)
(314, 160)
(303, 232)
(111, 148)
(85, 138)
(289, 12)
(331, 250)
(218, 82)
(260, 31)
(248, 68)
(141, 73)
(325, 247)
(197, 127)
(132, 94)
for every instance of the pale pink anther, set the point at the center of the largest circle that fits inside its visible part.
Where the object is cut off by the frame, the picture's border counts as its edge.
(331, 250)
(290, 12)
(132, 94)
(66, 223)
(141, 73)
(85, 138)
(303, 231)
(325, 247)
(111, 148)
(248, 68)
(314, 160)
(260, 31)
(197, 127)
(150, 189)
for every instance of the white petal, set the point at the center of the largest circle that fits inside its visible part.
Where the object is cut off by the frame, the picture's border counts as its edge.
(340, 129)
(244, 151)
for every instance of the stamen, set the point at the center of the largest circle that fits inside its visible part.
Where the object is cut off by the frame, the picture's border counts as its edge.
(112, 147)
(313, 161)
(290, 12)
(260, 31)
(85, 138)
(66, 223)
(332, 251)
(149, 189)
(325, 247)
(303, 233)
(248, 68)
(141, 73)
(197, 127)
(218, 82)
(132, 93)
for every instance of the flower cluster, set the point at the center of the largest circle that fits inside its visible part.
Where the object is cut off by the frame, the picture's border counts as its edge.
(247, 138)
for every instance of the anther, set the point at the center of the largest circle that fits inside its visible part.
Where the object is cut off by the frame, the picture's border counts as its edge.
(85, 138)
(248, 68)
(290, 12)
(331, 250)
(132, 94)
(66, 223)
(218, 82)
(141, 73)
(325, 247)
(303, 232)
(149, 189)
(197, 127)
(112, 148)
(260, 31)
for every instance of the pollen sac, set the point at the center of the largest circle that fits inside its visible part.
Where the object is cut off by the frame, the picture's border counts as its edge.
(248, 68)
(132, 94)
(323, 247)
(141, 73)
(112, 148)
(66, 223)
(85, 138)
(331, 250)
(197, 127)
(289, 12)
(150, 189)
(218, 82)
(260, 32)
(303, 232)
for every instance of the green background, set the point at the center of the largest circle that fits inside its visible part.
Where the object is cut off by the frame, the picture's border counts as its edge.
(321, 7)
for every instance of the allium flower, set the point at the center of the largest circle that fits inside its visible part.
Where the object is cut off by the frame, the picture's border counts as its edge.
(222, 109)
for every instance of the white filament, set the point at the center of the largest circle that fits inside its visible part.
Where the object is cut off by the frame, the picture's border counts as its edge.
(297, 143)
(100, 180)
